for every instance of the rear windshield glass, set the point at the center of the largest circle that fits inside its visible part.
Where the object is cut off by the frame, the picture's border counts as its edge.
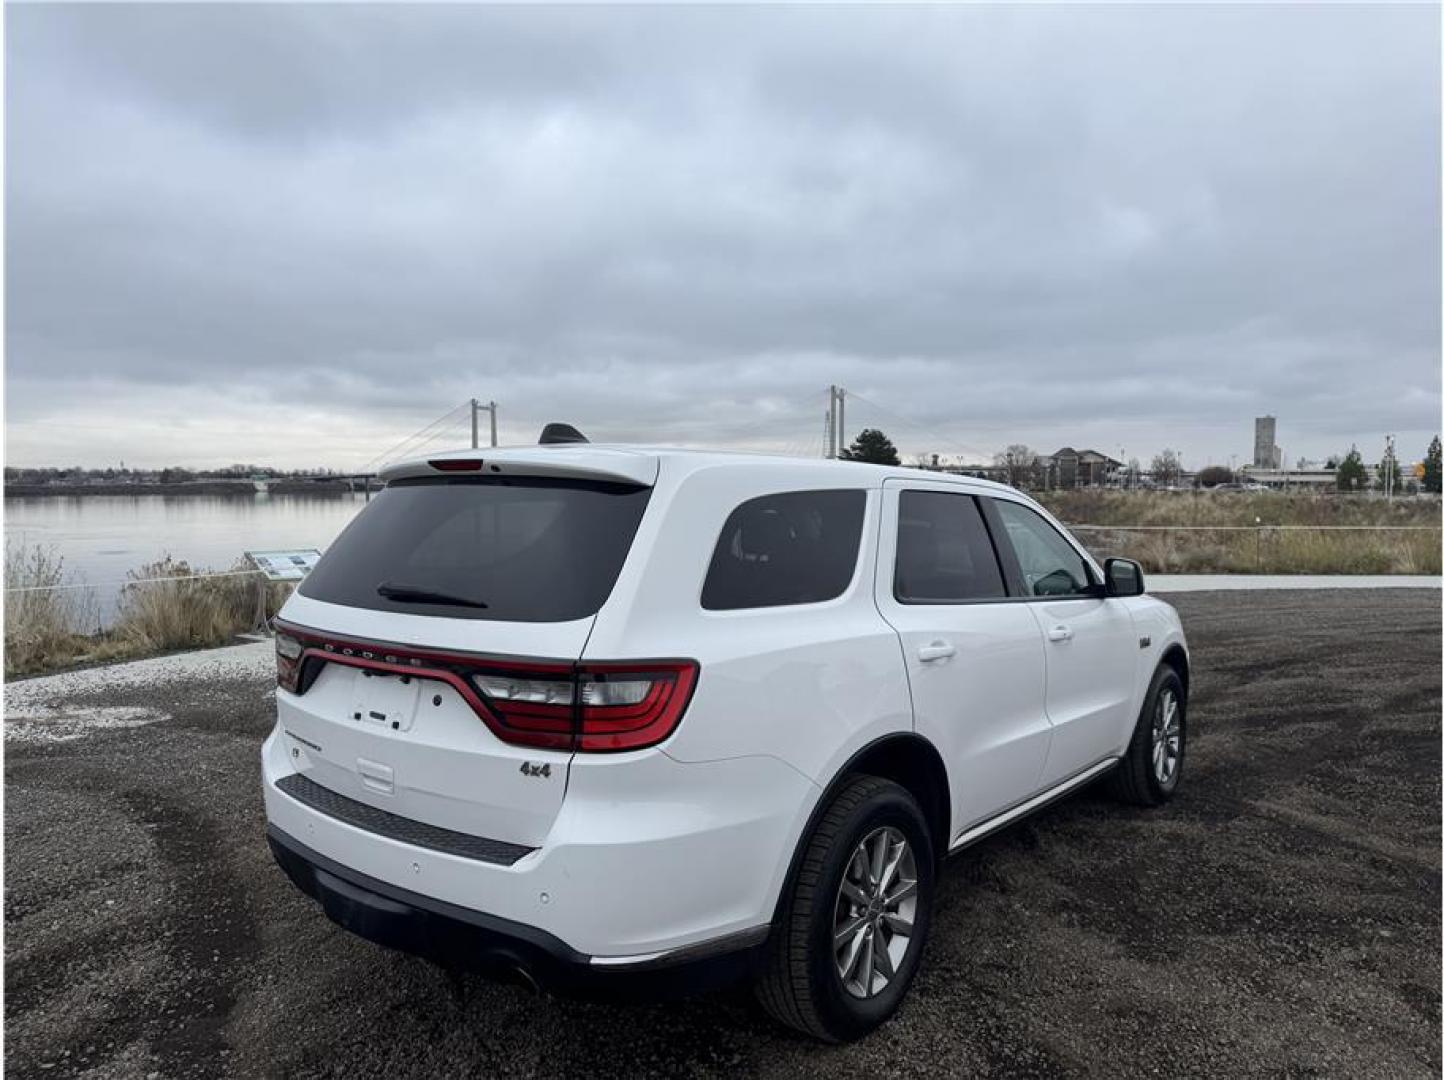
(796, 548)
(507, 549)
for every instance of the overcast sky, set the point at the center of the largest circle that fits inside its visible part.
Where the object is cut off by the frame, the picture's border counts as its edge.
(294, 235)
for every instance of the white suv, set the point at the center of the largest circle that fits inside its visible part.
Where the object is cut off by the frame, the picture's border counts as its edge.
(607, 717)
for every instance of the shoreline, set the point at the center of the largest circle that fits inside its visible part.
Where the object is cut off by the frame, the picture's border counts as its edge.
(232, 488)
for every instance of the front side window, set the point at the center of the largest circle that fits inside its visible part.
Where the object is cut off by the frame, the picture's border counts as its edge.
(944, 555)
(1050, 565)
(795, 548)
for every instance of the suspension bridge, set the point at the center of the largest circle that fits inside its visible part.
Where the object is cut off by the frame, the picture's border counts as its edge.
(846, 412)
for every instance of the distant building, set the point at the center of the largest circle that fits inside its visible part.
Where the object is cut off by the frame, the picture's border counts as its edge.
(1069, 468)
(1314, 478)
(1266, 453)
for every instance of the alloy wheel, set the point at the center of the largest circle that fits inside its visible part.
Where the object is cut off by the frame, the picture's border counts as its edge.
(873, 917)
(1167, 738)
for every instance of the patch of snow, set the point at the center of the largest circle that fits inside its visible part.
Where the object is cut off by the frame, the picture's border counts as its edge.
(62, 724)
(250, 661)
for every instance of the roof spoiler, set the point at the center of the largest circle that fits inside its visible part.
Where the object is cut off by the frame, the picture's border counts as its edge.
(559, 434)
(579, 461)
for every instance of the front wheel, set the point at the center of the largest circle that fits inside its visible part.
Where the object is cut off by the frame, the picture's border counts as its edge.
(1149, 772)
(850, 935)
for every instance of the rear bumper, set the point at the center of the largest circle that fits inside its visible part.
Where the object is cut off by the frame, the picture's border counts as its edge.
(647, 857)
(460, 938)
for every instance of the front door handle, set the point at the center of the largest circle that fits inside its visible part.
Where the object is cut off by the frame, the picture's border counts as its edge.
(938, 650)
(1060, 633)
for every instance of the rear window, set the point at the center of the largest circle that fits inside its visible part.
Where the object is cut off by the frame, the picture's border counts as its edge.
(795, 548)
(505, 549)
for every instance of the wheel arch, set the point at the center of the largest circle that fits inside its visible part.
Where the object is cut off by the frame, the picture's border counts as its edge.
(909, 760)
(1175, 657)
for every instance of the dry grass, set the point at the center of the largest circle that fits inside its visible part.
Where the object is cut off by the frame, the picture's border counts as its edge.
(44, 621)
(1209, 538)
(1096, 506)
(1270, 551)
(50, 629)
(183, 611)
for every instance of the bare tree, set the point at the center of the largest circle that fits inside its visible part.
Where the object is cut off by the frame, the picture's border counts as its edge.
(1019, 464)
(1167, 467)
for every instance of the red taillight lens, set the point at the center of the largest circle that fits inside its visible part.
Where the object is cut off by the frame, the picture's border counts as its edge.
(629, 706)
(456, 464)
(288, 662)
(532, 707)
(623, 706)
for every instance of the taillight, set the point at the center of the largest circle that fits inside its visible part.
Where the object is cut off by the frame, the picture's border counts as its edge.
(600, 707)
(288, 662)
(531, 708)
(597, 707)
(629, 706)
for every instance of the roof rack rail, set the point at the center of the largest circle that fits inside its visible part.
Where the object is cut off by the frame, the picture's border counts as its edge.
(558, 434)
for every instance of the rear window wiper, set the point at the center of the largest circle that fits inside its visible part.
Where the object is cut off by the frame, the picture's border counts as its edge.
(417, 594)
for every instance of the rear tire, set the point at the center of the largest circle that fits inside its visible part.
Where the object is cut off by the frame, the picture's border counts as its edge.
(1151, 769)
(848, 939)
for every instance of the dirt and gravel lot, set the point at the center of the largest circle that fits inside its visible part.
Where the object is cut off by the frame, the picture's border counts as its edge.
(1281, 917)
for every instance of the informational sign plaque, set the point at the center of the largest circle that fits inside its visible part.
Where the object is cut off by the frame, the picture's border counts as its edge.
(284, 565)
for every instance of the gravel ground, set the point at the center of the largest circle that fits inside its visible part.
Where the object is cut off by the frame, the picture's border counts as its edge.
(1281, 916)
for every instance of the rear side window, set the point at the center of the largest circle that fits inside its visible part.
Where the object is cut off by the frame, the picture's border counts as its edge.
(505, 549)
(944, 554)
(796, 548)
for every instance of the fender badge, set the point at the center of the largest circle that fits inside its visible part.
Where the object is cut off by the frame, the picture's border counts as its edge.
(1144, 642)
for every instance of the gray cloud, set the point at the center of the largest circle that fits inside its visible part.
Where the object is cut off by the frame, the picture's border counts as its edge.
(294, 234)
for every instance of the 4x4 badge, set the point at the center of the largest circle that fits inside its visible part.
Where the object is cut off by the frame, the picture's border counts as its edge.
(529, 768)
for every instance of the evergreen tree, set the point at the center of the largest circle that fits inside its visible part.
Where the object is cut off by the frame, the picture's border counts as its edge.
(1432, 475)
(872, 446)
(1351, 475)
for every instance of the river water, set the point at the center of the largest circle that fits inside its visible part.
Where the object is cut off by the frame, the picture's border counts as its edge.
(102, 537)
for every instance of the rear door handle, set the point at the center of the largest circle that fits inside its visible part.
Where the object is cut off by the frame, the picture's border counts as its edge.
(1060, 633)
(938, 650)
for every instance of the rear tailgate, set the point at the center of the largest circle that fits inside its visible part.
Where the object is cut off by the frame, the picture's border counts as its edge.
(415, 745)
(431, 650)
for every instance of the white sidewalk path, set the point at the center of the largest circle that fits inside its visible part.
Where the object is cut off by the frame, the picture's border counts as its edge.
(1166, 583)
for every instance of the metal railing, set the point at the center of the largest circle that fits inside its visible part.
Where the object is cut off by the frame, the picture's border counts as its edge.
(130, 581)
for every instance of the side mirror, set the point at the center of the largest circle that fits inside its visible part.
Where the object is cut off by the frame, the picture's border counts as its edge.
(1123, 577)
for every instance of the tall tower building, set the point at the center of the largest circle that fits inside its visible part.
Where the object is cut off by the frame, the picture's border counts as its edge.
(1265, 452)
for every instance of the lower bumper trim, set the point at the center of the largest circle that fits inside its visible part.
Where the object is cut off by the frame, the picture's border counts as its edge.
(461, 938)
